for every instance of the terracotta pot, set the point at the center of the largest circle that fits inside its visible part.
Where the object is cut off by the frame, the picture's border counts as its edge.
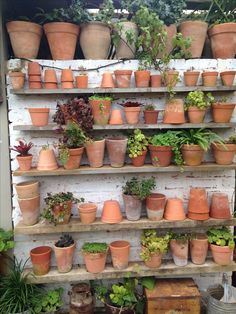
(170, 78)
(116, 117)
(132, 114)
(64, 258)
(67, 75)
(81, 81)
(174, 209)
(224, 154)
(95, 40)
(199, 249)
(174, 112)
(95, 153)
(123, 78)
(118, 310)
(39, 116)
(191, 78)
(120, 254)
(50, 85)
(155, 205)
(47, 160)
(25, 162)
(142, 78)
(67, 85)
(25, 38)
(192, 154)
(150, 116)
(41, 260)
(28, 189)
(139, 160)
(155, 261)
(133, 207)
(227, 77)
(34, 69)
(87, 212)
(198, 203)
(64, 208)
(17, 80)
(220, 207)
(75, 156)
(171, 31)
(197, 216)
(62, 39)
(222, 255)
(50, 76)
(111, 212)
(101, 110)
(222, 112)
(160, 155)
(197, 31)
(30, 209)
(107, 80)
(179, 252)
(116, 148)
(95, 262)
(222, 38)
(209, 78)
(196, 115)
(34, 78)
(156, 80)
(35, 85)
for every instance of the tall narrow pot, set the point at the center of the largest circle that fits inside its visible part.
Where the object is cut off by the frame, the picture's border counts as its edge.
(95, 153)
(224, 153)
(64, 258)
(199, 249)
(142, 78)
(222, 112)
(179, 250)
(155, 206)
(133, 207)
(120, 254)
(41, 260)
(30, 209)
(198, 204)
(47, 160)
(116, 147)
(101, 110)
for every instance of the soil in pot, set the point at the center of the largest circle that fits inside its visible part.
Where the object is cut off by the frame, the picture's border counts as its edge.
(155, 205)
(116, 148)
(101, 110)
(150, 116)
(132, 114)
(196, 115)
(111, 212)
(133, 207)
(24, 162)
(174, 112)
(209, 78)
(64, 258)
(174, 209)
(62, 213)
(30, 209)
(222, 112)
(160, 155)
(47, 160)
(222, 255)
(17, 80)
(191, 78)
(87, 212)
(123, 78)
(120, 254)
(95, 153)
(139, 160)
(224, 154)
(39, 116)
(227, 77)
(199, 249)
(142, 78)
(192, 154)
(75, 156)
(27, 189)
(179, 252)
(220, 207)
(41, 260)
(81, 81)
(95, 262)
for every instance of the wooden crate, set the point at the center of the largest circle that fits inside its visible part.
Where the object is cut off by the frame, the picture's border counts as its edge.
(173, 296)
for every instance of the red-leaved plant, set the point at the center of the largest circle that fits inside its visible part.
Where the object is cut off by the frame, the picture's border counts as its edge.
(23, 148)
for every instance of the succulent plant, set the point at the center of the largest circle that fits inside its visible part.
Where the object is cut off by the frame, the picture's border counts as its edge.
(23, 148)
(66, 240)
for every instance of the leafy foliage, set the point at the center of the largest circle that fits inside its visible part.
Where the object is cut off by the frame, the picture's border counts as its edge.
(99, 97)
(180, 237)
(137, 143)
(149, 108)
(106, 12)
(139, 188)
(231, 139)
(221, 237)
(221, 11)
(94, 247)
(49, 301)
(6, 240)
(130, 6)
(23, 148)
(198, 99)
(66, 240)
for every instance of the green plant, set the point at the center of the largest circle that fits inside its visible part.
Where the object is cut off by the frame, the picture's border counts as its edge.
(50, 300)
(180, 237)
(23, 148)
(99, 97)
(106, 12)
(130, 36)
(221, 11)
(94, 247)
(221, 237)
(65, 240)
(6, 240)
(140, 189)
(137, 143)
(149, 108)
(198, 99)
(231, 139)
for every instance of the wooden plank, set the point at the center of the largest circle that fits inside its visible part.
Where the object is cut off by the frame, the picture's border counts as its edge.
(135, 269)
(84, 170)
(76, 226)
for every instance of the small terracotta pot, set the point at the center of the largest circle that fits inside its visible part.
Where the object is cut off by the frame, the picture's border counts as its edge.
(139, 160)
(28, 189)
(150, 116)
(160, 155)
(64, 208)
(191, 78)
(120, 254)
(132, 114)
(142, 78)
(50, 76)
(95, 153)
(192, 154)
(174, 209)
(101, 111)
(95, 262)
(133, 207)
(220, 208)
(196, 115)
(198, 202)
(179, 252)
(75, 156)
(34, 68)
(87, 212)
(81, 81)
(222, 255)
(39, 116)
(222, 112)
(155, 261)
(67, 75)
(123, 78)
(107, 80)
(47, 160)
(35, 85)
(174, 112)
(116, 148)
(116, 117)
(199, 249)
(156, 80)
(170, 78)
(224, 154)
(227, 77)
(64, 258)
(209, 78)
(25, 162)
(50, 85)
(17, 80)
(30, 209)
(155, 205)
(41, 260)
(111, 212)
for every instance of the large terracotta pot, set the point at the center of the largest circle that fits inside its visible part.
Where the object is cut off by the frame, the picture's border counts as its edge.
(101, 110)
(132, 114)
(111, 212)
(95, 153)
(95, 40)
(120, 254)
(95, 262)
(224, 154)
(197, 31)
(209, 78)
(192, 154)
(116, 148)
(155, 205)
(199, 249)
(30, 209)
(39, 116)
(160, 155)
(41, 260)
(64, 258)
(220, 207)
(25, 38)
(222, 112)
(27, 189)
(17, 80)
(123, 78)
(47, 160)
(64, 208)
(87, 212)
(198, 204)
(139, 160)
(150, 116)
(75, 155)
(223, 40)
(142, 78)
(174, 209)
(62, 39)
(179, 252)
(196, 115)
(24, 162)
(174, 112)
(191, 78)
(133, 207)
(222, 255)
(227, 77)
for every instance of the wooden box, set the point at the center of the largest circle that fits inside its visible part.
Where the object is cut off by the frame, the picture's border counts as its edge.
(173, 296)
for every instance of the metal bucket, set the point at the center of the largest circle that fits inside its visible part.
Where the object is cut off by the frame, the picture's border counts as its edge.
(215, 306)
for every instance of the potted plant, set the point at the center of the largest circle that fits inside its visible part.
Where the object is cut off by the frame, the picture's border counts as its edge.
(191, 77)
(82, 79)
(222, 110)
(49, 302)
(179, 248)
(41, 260)
(134, 192)
(137, 148)
(153, 248)
(101, 106)
(95, 149)
(24, 158)
(47, 160)
(221, 244)
(150, 114)
(6, 243)
(224, 152)
(198, 248)
(95, 255)
(64, 250)
(17, 78)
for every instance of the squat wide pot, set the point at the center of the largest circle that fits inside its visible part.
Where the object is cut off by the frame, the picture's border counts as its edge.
(199, 249)
(120, 254)
(87, 212)
(133, 207)
(116, 147)
(95, 153)
(222, 255)
(41, 259)
(27, 189)
(39, 116)
(160, 155)
(95, 262)
(196, 115)
(224, 154)
(192, 154)
(64, 258)
(17, 80)
(222, 112)
(227, 77)
(24, 162)
(179, 252)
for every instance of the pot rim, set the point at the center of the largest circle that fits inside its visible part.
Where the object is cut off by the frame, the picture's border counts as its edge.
(38, 110)
(26, 183)
(123, 72)
(48, 249)
(126, 244)
(63, 248)
(227, 72)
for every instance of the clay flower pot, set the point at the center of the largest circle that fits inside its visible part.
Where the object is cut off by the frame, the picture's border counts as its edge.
(155, 261)
(199, 249)
(198, 204)
(95, 262)
(25, 38)
(50, 85)
(35, 78)
(50, 79)
(67, 75)
(64, 258)
(116, 117)
(123, 78)
(34, 69)
(224, 154)
(174, 209)
(81, 81)
(107, 80)
(120, 254)
(222, 112)
(179, 252)
(209, 78)
(191, 78)
(156, 80)
(116, 148)
(174, 112)
(133, 207)
(39, 116)
(17, 80)
(227, 77)
(139, 160)
(132, 114)
(28, 189)
(222, 255)
(95, 153)
(87, 212)
(35, 85)
(192, 154)
(41, 260)
(101, 110)
(47, 160)
(160, 155)
(75, 156)
(142, 78)
(150, 116)
(24, 162)
(155, 205)
(30, 209)
(220, 208)
(111, 212)
(64, 208)
(170, 78)
(196, 115)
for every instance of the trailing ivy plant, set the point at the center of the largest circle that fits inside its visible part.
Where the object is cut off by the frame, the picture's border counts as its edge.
(198, 99)
(221, 237)
(6, 240)
(137, 143)
(140, 189)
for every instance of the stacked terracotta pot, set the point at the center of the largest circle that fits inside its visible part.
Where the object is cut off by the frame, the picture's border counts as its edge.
(67, 78)
(198, 208)
(34, 75)
(50, 79)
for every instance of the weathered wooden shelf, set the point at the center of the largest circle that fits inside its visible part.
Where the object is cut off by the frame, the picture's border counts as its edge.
(138, 269)
(75, 225)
